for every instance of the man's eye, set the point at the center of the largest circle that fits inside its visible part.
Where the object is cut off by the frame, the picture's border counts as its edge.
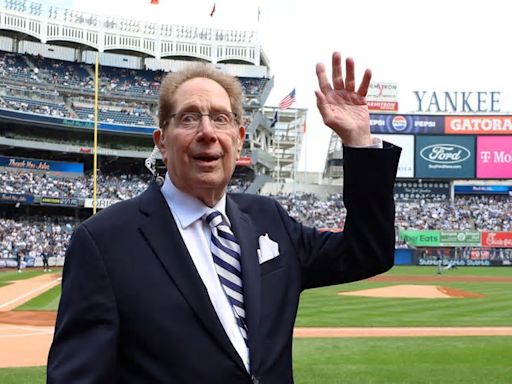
(188, 118)
(221, 118)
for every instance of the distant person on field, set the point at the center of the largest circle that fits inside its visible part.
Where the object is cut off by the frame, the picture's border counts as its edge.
(439, 260)
(19, 259)
(45, 255)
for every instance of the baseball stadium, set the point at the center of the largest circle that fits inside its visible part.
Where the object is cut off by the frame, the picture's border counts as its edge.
(78, 106)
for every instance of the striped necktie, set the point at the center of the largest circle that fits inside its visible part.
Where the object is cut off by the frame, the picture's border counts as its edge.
(226, 257)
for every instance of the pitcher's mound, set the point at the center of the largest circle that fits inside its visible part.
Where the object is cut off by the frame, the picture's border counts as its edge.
(414, 291)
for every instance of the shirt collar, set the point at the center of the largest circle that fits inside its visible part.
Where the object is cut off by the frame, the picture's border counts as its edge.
(187, 208)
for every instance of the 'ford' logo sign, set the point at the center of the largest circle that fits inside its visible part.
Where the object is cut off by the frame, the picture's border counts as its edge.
(445, 153)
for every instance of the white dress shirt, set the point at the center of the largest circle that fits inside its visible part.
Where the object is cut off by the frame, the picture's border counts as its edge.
(188, 212)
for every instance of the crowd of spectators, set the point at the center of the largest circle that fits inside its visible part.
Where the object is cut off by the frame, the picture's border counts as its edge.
(136, 83)
(463, 213)
(14, 67)
(33, 234)
(43, 184)
(309, 209)
(492, 213)
(112, 187)
(38, 107)
(30, 236)
(238, 185)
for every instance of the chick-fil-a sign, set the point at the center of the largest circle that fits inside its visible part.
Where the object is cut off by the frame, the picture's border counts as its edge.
(497, 239)
(494, 157)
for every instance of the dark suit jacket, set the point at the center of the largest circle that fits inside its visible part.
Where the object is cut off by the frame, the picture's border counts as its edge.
(134, 309)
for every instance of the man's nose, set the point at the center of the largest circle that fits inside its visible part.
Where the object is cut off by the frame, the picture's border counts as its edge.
(206, 128)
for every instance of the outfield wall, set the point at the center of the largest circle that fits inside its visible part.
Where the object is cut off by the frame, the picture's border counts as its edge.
(458, 256)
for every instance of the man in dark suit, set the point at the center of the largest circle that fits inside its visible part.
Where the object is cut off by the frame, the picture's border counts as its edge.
(188, 284)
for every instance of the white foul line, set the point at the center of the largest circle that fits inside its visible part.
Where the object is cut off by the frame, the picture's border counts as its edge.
(26, 334)
(30, 293)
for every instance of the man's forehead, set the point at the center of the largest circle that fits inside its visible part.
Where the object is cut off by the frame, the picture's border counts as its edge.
(200, 90)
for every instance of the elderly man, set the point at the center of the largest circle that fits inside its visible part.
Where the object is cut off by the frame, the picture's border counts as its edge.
(188, 284)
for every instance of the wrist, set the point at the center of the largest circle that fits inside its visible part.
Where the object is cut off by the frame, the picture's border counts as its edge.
(358, 141)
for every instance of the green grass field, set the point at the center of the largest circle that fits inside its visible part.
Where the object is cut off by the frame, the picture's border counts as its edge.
(322, 307)
(425, 360)
(6, 277)
(408, 360)
(48, 301)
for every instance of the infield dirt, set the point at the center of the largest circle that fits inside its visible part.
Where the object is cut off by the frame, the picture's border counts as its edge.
(25, 336)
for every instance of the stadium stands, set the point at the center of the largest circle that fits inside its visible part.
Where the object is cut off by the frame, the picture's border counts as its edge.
(31, 234)
(34, 106)
(464, 213)
(45, 86)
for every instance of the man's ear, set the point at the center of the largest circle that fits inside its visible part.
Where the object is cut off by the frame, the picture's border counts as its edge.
(241, 139)
(158, 139)
(157, 133)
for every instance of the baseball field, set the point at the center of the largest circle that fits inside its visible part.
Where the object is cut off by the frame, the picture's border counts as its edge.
(409, 325)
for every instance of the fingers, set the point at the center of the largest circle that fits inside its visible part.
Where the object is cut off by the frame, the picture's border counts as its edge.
(337, 75)
(350, 82)
(320, 99)
(321, 104)
(323, 83)
(365, 83)
(338, 84)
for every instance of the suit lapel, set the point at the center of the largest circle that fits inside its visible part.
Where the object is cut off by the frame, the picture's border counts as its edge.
(163, 236)
(245, 233)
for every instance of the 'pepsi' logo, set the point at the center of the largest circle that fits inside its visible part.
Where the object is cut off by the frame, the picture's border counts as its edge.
(399, 123)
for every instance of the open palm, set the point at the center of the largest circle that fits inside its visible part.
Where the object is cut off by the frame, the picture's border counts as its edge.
(344, 109)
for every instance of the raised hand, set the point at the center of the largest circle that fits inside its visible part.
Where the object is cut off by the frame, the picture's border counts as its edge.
(342, 108)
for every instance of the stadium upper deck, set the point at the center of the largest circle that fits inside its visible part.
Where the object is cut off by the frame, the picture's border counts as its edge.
(47, 58)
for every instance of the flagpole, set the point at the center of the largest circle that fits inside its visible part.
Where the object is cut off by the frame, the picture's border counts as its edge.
(95, 147)
(305, 145)
(295, 153)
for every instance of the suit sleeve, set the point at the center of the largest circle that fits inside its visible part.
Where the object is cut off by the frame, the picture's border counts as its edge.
(84, 347)
(366, 245)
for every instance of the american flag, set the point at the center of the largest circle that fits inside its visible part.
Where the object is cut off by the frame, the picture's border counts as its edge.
(287, 101)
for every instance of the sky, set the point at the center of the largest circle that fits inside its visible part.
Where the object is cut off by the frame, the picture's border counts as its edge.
(433, 45)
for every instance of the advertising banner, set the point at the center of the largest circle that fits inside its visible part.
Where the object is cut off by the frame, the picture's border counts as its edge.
(389, 106)
(494, 157)
(459, 263)
(382, 96)
(16, 198)
(442, 157)
(60, 201)
(406, 162)
(460, 239)
(478, 125)
(483, 190)
(478, 253)
(407, 124)
(497, 239)
(420, 238)
(40, 165)
(100, 203)
(379, 90)
(414, 190)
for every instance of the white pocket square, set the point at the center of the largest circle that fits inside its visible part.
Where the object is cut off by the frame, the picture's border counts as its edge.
(269, 249)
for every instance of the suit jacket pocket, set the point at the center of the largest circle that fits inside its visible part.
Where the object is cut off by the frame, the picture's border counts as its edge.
(271, 266)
